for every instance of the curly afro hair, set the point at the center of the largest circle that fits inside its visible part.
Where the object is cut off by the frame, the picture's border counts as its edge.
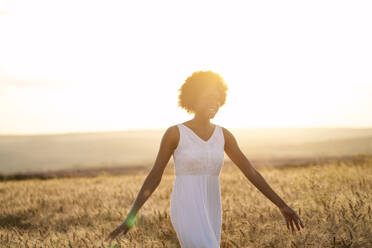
(195, 84)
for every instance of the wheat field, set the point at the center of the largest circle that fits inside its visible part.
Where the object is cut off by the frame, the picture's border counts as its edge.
(333, 200)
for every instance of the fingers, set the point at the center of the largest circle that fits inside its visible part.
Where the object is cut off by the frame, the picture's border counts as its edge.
(292, 227)
(109, 237)
(299, 223)
(302, 225)
(296, 223)
(287, 222)
(112, 235)
(115, 233)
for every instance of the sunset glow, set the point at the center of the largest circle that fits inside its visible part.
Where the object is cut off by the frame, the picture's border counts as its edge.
(76, 66)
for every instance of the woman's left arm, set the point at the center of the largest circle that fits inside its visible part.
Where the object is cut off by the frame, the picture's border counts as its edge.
(237, 157)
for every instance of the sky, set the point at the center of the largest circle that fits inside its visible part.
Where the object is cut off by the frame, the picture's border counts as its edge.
(82, 66)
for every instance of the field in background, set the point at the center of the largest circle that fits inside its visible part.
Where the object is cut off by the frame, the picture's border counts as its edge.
(332, 198)
(41, 153)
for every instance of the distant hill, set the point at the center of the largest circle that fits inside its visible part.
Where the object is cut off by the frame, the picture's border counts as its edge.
(25, 153)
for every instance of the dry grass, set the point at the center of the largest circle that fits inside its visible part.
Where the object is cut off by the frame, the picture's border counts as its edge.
(333, 200)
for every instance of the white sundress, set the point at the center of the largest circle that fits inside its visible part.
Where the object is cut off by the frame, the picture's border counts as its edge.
(195, 205)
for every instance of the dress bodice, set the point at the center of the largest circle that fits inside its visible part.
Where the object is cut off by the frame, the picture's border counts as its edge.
(195, 156)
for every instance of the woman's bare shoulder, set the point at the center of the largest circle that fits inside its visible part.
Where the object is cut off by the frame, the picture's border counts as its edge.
(173, 135)
(227, 134)
(172, 130)
(225, 131)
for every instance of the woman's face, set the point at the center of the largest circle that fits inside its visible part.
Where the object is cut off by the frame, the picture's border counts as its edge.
(208, 103)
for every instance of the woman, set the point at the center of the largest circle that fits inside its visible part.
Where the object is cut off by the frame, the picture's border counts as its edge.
(198, 148)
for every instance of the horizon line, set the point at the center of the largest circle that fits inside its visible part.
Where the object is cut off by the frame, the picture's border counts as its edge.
(160, 128)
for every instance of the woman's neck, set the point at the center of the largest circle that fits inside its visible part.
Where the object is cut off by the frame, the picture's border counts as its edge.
(201, 121)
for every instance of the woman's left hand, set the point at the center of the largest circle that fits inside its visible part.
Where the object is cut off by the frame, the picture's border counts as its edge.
(291, 217)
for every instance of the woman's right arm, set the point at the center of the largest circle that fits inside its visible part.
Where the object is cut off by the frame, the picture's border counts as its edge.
(168, 143)
(153, 179)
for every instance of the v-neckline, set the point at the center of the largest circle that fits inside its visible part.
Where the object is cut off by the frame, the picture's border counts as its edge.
(205, 141)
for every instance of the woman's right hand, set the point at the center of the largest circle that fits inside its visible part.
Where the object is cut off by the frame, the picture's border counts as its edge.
(122, 228)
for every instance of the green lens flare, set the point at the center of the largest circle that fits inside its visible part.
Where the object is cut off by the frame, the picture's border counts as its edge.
(131, 220)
